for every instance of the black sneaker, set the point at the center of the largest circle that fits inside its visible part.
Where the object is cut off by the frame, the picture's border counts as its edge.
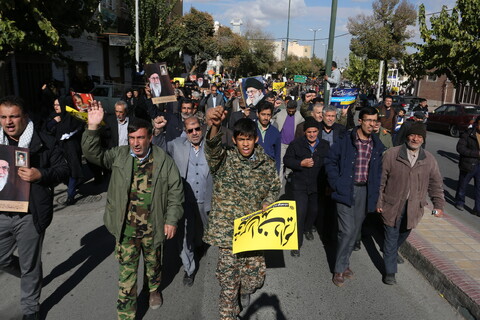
(357, 246)
(309, 235)
(69, 201)
(188, 279)
(31, 316)
(389, 279)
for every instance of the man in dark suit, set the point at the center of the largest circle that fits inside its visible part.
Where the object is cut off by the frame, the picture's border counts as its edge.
(213, 99)
(329, 129)
(116, 126)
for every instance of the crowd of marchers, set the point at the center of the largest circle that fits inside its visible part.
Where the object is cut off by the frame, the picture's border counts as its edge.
(184, 171)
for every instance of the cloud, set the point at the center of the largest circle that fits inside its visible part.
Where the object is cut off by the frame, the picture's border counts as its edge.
(262, 13)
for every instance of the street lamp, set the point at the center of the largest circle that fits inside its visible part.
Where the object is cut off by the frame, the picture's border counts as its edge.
(314, 37)
(288, 34)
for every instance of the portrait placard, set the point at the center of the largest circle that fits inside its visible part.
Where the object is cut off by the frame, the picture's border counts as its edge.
(158, 81)
(81, 101)
(14, 192)
(243, 88)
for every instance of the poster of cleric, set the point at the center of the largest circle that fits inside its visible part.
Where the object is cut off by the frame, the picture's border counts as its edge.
(14, 192)
(158, 83)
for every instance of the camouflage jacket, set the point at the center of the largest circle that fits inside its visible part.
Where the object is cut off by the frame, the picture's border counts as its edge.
(240, 186)
(167, 188)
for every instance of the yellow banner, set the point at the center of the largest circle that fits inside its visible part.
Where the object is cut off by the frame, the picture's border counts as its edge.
(180, 80)
(77, 114)
(272, 229)
(278, 85)
(83, 116)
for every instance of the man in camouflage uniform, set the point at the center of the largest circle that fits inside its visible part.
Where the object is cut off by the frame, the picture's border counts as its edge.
(245, 180)
(144, 203)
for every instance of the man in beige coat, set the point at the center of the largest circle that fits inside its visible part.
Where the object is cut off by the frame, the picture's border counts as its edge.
(409, 172)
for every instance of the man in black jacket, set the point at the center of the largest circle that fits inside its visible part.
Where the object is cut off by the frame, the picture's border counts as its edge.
(25, 231)
(305, 157)
(469, 165)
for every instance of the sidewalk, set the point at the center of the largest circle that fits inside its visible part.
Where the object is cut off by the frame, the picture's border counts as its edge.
(447, 253)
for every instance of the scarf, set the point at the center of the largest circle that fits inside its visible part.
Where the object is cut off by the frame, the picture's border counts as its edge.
(25, 138)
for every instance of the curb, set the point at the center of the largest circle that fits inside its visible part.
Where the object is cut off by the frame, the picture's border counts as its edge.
(454, 284)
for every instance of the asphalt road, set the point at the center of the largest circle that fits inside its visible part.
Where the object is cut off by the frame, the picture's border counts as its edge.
(81, 281)
(443, 147)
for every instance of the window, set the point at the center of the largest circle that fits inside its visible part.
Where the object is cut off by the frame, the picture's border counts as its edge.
(432, 78)
(440, 110)
(471, 109)
(451, 111)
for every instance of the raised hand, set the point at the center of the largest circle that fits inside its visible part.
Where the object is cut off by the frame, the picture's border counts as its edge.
(95, 115)
(159, 122)
(215, 116)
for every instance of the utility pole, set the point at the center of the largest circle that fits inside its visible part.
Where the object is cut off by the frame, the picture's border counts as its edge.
(314, 38)
(137, 39)
(331, 38)
(288, 34)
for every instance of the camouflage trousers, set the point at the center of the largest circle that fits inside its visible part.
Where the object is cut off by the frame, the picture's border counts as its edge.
(128, 255)
(241, 273)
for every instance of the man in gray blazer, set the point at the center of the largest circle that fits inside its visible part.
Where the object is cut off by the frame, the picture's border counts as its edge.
(188, 154)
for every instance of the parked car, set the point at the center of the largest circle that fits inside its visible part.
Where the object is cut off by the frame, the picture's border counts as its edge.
(453, 118)
(402, 102)
(411, 102)
(399, 103)
(108, 95)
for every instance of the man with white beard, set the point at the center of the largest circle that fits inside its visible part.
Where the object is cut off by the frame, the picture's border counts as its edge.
(254, 88)
(155, 84)
(4, 167)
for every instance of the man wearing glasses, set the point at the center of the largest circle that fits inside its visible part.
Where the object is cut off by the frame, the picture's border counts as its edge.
(189, 156)
(354, 167)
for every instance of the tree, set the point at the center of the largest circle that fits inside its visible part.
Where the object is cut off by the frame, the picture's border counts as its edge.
(362, 71)
(302, 66)
(231, 48)
(383, 35)
(43, 26)
(196, 37)
(155, 22)
(452, 43)
(259, 58)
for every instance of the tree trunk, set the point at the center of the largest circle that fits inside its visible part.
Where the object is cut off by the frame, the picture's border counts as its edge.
(385, 74)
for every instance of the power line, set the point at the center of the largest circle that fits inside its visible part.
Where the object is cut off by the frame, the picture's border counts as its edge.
(296, 39)
(432, 13)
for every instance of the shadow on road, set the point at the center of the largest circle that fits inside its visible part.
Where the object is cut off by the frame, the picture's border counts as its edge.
(449, 155)
(264, 301)
(274, 259)
(97, 245)
(372, 232)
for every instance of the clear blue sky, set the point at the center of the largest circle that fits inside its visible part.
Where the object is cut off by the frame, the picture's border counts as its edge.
(271, 17)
